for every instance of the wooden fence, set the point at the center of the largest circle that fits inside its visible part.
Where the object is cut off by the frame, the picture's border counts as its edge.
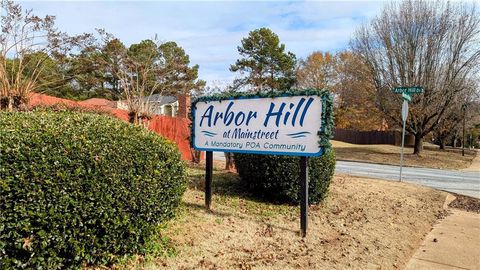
(372, 137)
(174, 129)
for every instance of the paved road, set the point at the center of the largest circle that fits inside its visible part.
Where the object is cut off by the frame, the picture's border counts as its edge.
(461, 182)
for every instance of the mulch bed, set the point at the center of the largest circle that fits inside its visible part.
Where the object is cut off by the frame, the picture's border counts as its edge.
(466, 203)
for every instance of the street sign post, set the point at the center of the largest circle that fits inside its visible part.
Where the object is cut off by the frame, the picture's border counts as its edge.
(407, 93)
(408, 90)
(404, 119)
(404, 110)
(407, 97)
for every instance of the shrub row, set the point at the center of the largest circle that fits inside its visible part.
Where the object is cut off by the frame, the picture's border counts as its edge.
(79, 189)
(276, 178)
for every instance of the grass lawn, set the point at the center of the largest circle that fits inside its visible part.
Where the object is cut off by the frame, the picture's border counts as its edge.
(432, 157)
(364, 223)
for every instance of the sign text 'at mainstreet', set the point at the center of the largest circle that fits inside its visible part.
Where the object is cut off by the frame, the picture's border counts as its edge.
(279, 125)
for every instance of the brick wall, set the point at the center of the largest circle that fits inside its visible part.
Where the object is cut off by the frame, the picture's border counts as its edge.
(183, 105)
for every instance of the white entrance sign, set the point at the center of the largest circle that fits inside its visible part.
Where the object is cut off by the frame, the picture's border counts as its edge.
(279, 125)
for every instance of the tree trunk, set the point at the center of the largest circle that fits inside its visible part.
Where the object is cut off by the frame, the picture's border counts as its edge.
(9, 104)
(228, 161)
(417, 149)
(196, 156)
(442, 144)
(133, 118)
(19, 103)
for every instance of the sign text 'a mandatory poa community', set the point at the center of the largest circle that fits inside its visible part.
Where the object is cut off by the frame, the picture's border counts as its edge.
(280, 125)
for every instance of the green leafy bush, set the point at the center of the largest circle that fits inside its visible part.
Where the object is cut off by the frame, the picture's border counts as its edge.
(277, 178)
(80, 189)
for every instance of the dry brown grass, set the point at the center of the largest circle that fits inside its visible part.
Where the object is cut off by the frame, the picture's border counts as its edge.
(431, 157)
(364, 223)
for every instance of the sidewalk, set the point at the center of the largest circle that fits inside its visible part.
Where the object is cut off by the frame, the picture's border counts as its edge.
(454, 243)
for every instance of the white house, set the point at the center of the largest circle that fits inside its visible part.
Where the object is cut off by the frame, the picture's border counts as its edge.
(162, 105)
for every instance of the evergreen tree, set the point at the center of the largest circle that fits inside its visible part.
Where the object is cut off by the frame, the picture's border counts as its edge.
(264, 62)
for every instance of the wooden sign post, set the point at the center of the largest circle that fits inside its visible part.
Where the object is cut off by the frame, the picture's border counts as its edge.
(282, 124)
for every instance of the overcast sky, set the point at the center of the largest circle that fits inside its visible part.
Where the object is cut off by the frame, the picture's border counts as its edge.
(210, 31)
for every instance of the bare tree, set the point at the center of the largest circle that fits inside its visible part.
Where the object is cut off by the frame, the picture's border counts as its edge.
(136, 72)
(462, 108)
(448, 127)
(432, 44)
(26, 43)
(137, 89)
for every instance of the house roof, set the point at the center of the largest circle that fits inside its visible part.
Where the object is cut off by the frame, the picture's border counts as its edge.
(161, 100)
(99, 102)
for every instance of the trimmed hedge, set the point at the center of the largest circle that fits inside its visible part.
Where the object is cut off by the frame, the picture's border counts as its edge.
(276, 178)
(80, 189)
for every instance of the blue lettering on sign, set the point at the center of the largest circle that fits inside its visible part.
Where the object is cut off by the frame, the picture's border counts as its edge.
(208, 115)
(239, 118)
(270, 113)
(250, 116)
(228, 117)
(309, 102)
(296, 111)
(283, 114)
(278, 114)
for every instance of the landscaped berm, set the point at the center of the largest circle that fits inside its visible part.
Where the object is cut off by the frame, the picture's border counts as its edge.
(80, 189)
(362, 224)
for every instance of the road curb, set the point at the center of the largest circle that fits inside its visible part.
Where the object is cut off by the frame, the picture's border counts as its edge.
(449, 199)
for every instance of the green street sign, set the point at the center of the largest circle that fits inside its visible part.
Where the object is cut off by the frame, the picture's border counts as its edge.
(408, 90)
(406, 96)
